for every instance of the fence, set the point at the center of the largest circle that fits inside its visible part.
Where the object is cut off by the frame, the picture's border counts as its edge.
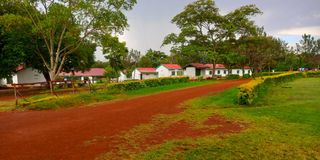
(58, 87)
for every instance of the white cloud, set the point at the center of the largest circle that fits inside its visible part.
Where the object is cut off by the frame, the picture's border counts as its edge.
(313, 30)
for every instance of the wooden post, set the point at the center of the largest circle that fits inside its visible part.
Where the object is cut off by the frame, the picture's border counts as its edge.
(15, 94)
(89, 82)
(72, 84)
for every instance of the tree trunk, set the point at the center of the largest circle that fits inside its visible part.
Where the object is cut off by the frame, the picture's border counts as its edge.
(213, 69)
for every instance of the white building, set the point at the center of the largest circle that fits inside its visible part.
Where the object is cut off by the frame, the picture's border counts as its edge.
(144, 73)
(27, 75)
(169, 70)
(93, 74)
(194, 70)
(122, 77)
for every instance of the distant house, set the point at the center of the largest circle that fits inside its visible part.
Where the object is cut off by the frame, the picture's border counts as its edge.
(144, 73)
(169, 70)
(93, 74)
(205, 70)
(123, 77)
(26, 75)
(196, 69)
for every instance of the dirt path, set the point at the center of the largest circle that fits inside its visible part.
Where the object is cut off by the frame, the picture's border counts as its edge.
(63, 134)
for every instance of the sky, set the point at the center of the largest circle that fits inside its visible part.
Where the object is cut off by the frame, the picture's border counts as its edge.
(150, 20)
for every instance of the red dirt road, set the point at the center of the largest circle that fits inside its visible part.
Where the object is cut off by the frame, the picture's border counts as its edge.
(64, 134)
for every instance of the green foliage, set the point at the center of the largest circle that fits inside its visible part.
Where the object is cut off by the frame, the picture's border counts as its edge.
(232, 76)
(312, 74)
(111, 73)
(115, 51)
(256, 88)
(246, 76)
(134, 85)
(126, 86)
(203, 31)
(153, 59)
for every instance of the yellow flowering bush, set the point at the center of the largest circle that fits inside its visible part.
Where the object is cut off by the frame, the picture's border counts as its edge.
(250, 91)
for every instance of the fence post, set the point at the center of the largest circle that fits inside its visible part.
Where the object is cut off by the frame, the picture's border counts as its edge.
(15, 94)
(72, 84)
(89, 82)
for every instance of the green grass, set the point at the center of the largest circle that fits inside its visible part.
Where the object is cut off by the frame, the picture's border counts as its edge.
(284, 125)
(152, 90)
(47, 101)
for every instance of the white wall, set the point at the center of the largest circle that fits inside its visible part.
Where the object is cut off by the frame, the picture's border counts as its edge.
(149, 75)
(246, 71)
(165, 72)
(3, 81)
(135, 75)
(28, 75)
(122, 77)
(190, 72)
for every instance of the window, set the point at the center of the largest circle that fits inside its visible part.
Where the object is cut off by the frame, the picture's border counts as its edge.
(173, 73)
(224, 71)
(210, 72)
(238, 71)
(179, 73)
(218, 71)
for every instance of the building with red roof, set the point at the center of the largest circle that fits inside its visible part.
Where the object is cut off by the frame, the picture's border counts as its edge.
(93, 74)
(198, 69)
(144, 73)
(169, 70)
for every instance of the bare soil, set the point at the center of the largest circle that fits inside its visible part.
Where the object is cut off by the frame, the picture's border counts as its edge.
(63, 134)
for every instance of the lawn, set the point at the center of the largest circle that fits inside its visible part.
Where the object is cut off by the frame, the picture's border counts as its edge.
(285, 124)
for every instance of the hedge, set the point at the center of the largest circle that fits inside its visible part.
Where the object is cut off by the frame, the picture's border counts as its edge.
(133, 85)
(312, 74)
(232, 76)
(249, 92)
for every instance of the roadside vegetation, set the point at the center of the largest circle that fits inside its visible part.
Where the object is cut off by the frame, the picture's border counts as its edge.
(113, 91)
(283, 124)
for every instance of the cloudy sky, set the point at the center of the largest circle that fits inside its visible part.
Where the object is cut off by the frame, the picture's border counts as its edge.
(287, 19)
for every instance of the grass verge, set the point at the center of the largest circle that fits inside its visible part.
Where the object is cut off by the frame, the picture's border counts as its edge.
(284, 125)
(47, 101)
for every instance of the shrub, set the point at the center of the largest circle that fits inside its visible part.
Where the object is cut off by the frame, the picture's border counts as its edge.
(133, 85)
(249, 92)
(126, 86)
(312, 74)
(232, 76)
(246, 76)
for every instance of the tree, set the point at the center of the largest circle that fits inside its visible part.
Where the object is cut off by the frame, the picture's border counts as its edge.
(259, 50)
(131, 61)
(115, 52)
(14, 37)
(110, 73)
(66, 25)
(153, 59)
(309, 48)
(203, 29)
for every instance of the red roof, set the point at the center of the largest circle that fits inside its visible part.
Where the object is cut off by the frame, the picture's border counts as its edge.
(147, 70)
(20, 67)
(198, 65)
(172, 66)
(95, 72)
(217, 66)
(204, 66)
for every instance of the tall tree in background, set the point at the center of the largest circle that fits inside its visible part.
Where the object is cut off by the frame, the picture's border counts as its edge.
(153, 58)
(115, 52)
(309, 48)
(131, 61)
(65, 25)
(203, 29)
